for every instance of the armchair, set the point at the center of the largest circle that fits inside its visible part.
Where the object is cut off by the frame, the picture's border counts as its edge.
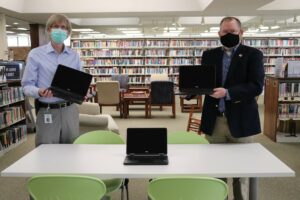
(162, 94)
(90, 119)
(108, 93)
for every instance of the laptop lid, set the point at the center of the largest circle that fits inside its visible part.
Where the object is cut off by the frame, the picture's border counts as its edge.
(71, 80)
(146, 141)
(197, 78)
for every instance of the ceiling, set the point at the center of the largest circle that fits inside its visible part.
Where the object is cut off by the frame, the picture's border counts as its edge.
(158, 17)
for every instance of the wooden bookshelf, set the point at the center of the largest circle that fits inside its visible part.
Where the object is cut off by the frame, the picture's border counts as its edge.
(141, 57)
(282, 109)
(13, 129)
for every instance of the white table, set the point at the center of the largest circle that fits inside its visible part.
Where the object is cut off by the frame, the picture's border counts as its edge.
(106, 161)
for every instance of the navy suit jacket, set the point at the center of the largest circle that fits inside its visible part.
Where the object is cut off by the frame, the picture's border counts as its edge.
(245, 80)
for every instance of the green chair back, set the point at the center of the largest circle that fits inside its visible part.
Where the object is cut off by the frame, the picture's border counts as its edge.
(186, 138)
(99, 137)
(67, 187)
(187, 188)
(103, 137)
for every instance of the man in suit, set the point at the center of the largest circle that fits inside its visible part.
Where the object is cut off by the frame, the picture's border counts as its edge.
(230, 113)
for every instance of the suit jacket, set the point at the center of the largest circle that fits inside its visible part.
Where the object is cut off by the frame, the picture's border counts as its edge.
(245, 80)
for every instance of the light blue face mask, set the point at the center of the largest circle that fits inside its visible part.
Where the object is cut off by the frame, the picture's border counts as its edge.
(58, 35)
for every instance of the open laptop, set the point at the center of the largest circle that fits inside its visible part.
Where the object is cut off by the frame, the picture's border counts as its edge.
(197, 80)
(146, 146)
(70, 84)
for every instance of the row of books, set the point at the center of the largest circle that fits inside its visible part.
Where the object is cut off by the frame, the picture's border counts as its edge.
(11, 115)
(132, 80)
(156, 61)
(138, 52)
(10, 95)
(284, 42)
(132, 70)
(269, 69)
(181, 52)
(256, 42)
(281, 51)
(12, 135)
(272, 61)
(289, 111)
(181, 61)
(108, 43)
(144, 43)
(290, 127)
(289, 90)
(100, 78)
(110, 52)
(139, 62)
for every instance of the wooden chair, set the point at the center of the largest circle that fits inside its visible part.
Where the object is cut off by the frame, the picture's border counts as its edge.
(193, 123)
(108, 93)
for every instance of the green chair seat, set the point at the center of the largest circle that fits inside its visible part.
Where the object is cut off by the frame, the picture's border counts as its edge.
(184, 137)
(187, 188)
(103, 137)
(66, 187)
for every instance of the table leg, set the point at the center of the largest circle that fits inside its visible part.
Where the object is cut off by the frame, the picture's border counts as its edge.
(253, 188)
(146, 109)
(125, 109)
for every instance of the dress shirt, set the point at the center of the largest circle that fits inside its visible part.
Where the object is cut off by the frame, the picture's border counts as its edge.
(226, 61)
(41, 65)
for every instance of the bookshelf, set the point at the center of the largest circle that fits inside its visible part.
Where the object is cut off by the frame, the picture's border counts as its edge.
(282, 114)
(13, 129)
(141, 57)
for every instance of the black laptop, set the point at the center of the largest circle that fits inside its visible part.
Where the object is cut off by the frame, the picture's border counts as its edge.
(197, 80)
(70, 84)
(146, 146)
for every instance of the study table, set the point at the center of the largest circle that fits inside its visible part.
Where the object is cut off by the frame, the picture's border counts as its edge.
(106, 161)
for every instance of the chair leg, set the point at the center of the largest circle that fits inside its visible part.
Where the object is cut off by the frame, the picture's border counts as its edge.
(160, 108)
(100, 109)
(174, 111)
(126, 187)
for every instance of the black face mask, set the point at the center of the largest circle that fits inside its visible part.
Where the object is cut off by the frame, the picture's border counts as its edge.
(230, 40)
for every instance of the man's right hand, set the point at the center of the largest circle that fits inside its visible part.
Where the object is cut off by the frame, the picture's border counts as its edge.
(45, 93)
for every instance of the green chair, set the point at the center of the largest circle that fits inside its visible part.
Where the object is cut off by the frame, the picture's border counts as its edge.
(104, 137)
(187, 188)
(186, 138)
(67, 187)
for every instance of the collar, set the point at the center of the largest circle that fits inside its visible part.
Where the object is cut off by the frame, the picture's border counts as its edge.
(50, 49)
(230, 51)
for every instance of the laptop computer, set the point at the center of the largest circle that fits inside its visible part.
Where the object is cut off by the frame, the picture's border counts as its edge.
(146, 146)
(197, 80)
(70, 84)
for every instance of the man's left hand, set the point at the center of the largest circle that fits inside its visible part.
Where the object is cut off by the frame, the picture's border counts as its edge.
(219, 93)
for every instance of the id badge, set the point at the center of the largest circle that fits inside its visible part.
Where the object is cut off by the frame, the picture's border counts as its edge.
(48, 118)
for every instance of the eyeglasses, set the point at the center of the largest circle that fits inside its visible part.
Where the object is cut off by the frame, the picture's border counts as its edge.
(61, 27)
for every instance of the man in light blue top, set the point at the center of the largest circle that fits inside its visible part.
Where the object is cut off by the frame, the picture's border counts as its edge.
(57, 119)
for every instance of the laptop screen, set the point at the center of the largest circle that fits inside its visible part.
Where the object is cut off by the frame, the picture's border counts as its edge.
(71, 80)
(146, 141)
(197, 77)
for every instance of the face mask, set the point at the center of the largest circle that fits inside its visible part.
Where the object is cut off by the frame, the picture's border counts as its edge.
(58, 35)
(230, 40)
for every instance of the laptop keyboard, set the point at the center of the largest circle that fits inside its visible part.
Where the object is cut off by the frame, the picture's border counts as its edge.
(147, 160)
(69, 96)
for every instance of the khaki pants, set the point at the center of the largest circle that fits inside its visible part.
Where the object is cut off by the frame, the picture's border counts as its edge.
(64, 129)
(221, 134)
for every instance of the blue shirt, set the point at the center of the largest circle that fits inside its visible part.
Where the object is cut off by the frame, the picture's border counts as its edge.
(226, 61)
(41, 65)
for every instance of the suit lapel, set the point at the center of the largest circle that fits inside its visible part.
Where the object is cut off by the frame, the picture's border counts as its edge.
(236, 57)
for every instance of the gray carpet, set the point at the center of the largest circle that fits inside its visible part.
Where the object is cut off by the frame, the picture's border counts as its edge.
(269, 188)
